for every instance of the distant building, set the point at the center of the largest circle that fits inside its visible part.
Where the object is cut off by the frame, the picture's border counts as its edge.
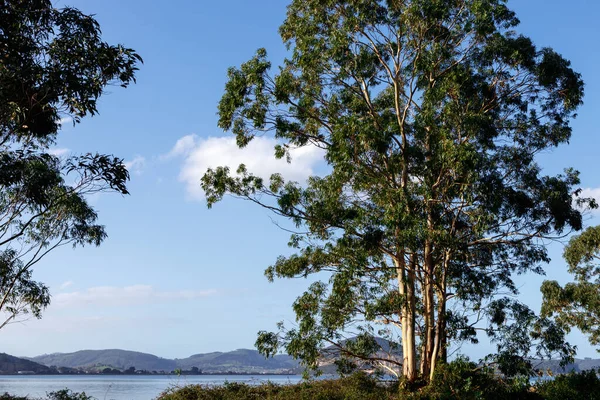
(26, 372)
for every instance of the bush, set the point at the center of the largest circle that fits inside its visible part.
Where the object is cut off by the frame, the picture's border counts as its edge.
(463, 379)
(355, 387)
(6, 396)
(460, 379)
(584, 385)
(67, 394)
(64, 394)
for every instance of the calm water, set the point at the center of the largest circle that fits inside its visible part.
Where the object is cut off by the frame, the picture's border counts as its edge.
(123, 387)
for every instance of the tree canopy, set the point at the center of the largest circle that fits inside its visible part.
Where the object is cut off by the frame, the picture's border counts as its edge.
(430, 114)
(577, 304)
(53, 66)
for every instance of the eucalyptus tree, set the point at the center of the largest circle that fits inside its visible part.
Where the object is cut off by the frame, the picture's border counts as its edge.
(53, 66)
(430, 114)
(577, 304)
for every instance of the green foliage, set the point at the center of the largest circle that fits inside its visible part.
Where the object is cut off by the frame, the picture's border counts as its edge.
(577, 304)
(53, 62)
(67, 394)
(18, 286)
(430, 115)
(572, 386)
(516, 330)
(7, 396)
(53, 65)
(63, 394)
(355, 387)
(462, 379)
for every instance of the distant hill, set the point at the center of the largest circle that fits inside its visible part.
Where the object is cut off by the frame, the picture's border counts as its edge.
(241, 361)
(12, 365)
(578, 365)
(121, 359)
(238, 360)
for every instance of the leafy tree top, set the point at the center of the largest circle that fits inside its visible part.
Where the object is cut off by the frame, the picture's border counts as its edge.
(577, 304)
(430, 114)
(53, 64)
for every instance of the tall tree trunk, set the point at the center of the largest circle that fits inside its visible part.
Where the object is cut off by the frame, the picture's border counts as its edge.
(406, 287)
(443, 358)
(410, 368)
(424, 360)
(439, 348)
(429, 332)
(429, 336)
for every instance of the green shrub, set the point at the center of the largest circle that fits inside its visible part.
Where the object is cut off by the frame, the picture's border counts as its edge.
(64, 394)
(460, 379)
(67, 394)
(463, 379)
(6, 396)
(583, 385)
(358, 386)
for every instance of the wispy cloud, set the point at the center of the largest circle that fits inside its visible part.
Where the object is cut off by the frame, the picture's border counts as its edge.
(59, 151)
(128, 295)
(137, 165)
(105, 323)
(200, 154)
(66, 285)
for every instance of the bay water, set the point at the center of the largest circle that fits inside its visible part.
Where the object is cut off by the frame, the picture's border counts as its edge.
(123, 387)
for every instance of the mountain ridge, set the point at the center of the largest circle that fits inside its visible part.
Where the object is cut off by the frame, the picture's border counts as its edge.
(240, 360)
(13, 365)
(237, 361)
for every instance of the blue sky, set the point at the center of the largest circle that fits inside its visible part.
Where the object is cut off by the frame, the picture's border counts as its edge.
(174, 278)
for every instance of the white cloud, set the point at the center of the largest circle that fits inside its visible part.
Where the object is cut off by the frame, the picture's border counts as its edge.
(258, 156)
(136, 165)
(182, 147)
(593, 193)
(59, 152)
(590, 192)
(66, 285)
(128, 295)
